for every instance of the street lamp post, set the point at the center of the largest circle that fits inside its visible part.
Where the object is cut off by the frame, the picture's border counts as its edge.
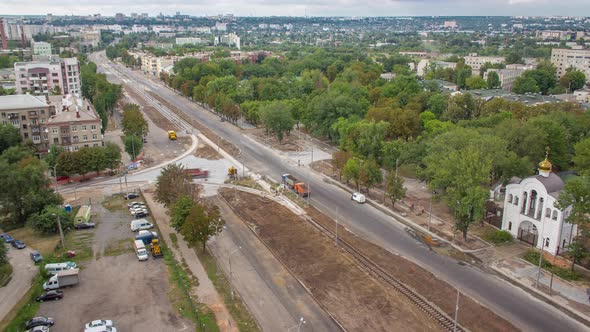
(61, 233)
(231, 283)
(55, 176)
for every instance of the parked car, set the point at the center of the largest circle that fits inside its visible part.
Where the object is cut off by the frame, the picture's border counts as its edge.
(131, 195)
(7, 238)
(39, 321)
(140, 224)
(141, 214)
(84, 225)
(41, 328)
(101, 329)
(135, 212)
(51, 295)
(132, 204)
(18, 244)
(36, 256)
(99, 323)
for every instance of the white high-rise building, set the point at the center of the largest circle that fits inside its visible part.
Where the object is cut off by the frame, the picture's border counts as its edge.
(564, 58)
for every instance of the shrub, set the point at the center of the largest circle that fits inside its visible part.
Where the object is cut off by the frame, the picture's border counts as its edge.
(498, 237)
(532, 257)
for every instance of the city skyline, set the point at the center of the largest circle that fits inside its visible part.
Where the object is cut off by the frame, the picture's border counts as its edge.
(303, 8)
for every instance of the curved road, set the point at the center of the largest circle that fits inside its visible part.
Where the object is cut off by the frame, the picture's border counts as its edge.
(522, 309)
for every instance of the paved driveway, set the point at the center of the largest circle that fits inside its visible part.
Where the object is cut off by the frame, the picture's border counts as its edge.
(23, 271)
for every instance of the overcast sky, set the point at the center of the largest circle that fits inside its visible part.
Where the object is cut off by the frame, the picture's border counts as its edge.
(299, 7)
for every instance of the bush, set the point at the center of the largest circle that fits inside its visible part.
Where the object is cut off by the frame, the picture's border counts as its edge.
(532, 256)
(498, 237)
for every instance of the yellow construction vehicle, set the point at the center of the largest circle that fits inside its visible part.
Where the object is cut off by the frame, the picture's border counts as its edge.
(172, 134)
(155, 246)
(232, 172)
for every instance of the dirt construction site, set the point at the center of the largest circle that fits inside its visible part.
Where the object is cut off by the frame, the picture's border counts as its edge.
(358, 301)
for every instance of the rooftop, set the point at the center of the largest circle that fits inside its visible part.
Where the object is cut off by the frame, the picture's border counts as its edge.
(72, 109)
(14, 102)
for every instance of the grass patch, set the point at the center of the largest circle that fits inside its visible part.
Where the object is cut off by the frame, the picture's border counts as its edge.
(498, 237)
(180, 295)
(45, 244)
(532, 256)
(236, 307)
(25, 309)
(174, 240)
(247, 182)
(114, 202)
(5, 273)
(81, 243)
(119, 247)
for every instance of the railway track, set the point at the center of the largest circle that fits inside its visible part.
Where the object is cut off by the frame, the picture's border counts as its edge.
(372, 268)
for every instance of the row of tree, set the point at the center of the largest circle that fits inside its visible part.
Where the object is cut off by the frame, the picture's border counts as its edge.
(95, 87)
(135, 128)
(85, 160)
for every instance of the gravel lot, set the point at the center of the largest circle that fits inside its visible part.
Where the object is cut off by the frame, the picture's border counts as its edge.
(115, 285)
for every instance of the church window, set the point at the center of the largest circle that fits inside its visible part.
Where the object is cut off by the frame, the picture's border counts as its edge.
(510, 198)
(554, 215)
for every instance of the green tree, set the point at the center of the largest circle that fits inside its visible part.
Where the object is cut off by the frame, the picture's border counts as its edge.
(133, 121)
(9, 136)
(437, 104)
(493, 81)
(52, 154)
(475, 82)
(573, 80)
(582, 157)
(524, 84)
(180, 211)
(133, 145)
(172, 183)
(370, 174)
(199, 224)
(112, 155)
(395, 190)
(83, 161)
(577, 252)
(351, 171)
(514, 57)
(277, 118)
(45, 222)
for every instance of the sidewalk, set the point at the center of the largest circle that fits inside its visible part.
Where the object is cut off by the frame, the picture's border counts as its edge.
(206, 292)
(570, 297)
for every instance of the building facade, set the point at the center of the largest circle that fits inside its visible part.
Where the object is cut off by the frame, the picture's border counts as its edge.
(30, 114)
(476, 62)
(41, 48)
(564, 58)
(40, 77)
(530, 213)
(75, 123)
(507, 77)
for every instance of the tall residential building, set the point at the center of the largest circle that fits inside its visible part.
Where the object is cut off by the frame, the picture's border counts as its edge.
(39, 77)
(75, 123)
(230, 40)
(41, 48)
(476, 62)
(564, 58)
(189, 40)
(30, 115)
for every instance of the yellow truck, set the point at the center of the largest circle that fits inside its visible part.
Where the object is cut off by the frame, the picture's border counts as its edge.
(156, 250)
(172, 134)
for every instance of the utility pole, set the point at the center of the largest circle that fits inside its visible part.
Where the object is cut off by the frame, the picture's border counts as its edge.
(541, 255)
(456, 310)
(55, 177)
(551, 282)
(61, 233)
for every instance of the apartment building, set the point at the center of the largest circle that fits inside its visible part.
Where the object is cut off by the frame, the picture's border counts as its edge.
(74, 124)
(41, 48)
(564, 58)
(30, 115)
(189, 40)
(476, 62)
(507, 77)
(230, 40)
(41, 76)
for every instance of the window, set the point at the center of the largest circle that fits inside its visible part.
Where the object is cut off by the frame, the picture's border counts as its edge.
(83, 128)
(23, 117)
(34, 121)
(510, 225)
(54, 130)
(510, 198)
(76, 148)
(515, 200)
(95, 144)
(85, 137)
(547, 242)
(554, 217)
(94, 137)
(42, 120)
(93, 127)
(43, 112)
(26, 135)
(45, 137)
(56, 140)
(24, 126)
(3, 114)
(548, 213)
(74, 129)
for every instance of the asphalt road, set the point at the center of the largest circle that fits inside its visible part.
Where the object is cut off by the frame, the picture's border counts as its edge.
(525, 311)
(23, 271)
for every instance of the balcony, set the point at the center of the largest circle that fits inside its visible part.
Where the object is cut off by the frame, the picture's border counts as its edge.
(33, 114)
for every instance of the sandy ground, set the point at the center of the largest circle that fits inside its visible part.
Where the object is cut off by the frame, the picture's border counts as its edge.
(359, 302)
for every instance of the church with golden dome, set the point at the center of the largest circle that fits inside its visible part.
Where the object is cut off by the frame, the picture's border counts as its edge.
(530, 214)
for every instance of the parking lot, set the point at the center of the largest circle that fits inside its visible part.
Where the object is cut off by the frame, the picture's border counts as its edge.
(114, 284)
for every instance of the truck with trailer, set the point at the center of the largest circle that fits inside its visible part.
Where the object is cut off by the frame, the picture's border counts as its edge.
(197, 173)
(294, 184)
(62, 279)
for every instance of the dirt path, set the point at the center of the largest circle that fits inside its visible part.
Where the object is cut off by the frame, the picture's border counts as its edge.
(358, 302)
(23, 271)
(206, 292)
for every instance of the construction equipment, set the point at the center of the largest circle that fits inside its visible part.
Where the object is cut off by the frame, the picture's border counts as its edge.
(172, 135)
(294, 184)
(232, 172)
(156, 250)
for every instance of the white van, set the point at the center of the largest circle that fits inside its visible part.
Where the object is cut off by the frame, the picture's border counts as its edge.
(140, 224)
(358, 197)
(54, 268)
(140, 250)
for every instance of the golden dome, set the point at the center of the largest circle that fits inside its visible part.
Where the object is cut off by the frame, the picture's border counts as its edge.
(545, 165)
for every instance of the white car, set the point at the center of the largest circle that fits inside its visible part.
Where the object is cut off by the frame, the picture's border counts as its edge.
(358, 197)
(138, 206)
(99, 323)
(134, 212)
(39, 329)
(132, 204)
(101, 329)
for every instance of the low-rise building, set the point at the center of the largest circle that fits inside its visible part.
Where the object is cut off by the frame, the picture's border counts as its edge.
(40, 77)
(41, 48)
(507, 77)
(75, 123)
(30, 115)
(476, 62)
(189, 40)
(564, 58)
